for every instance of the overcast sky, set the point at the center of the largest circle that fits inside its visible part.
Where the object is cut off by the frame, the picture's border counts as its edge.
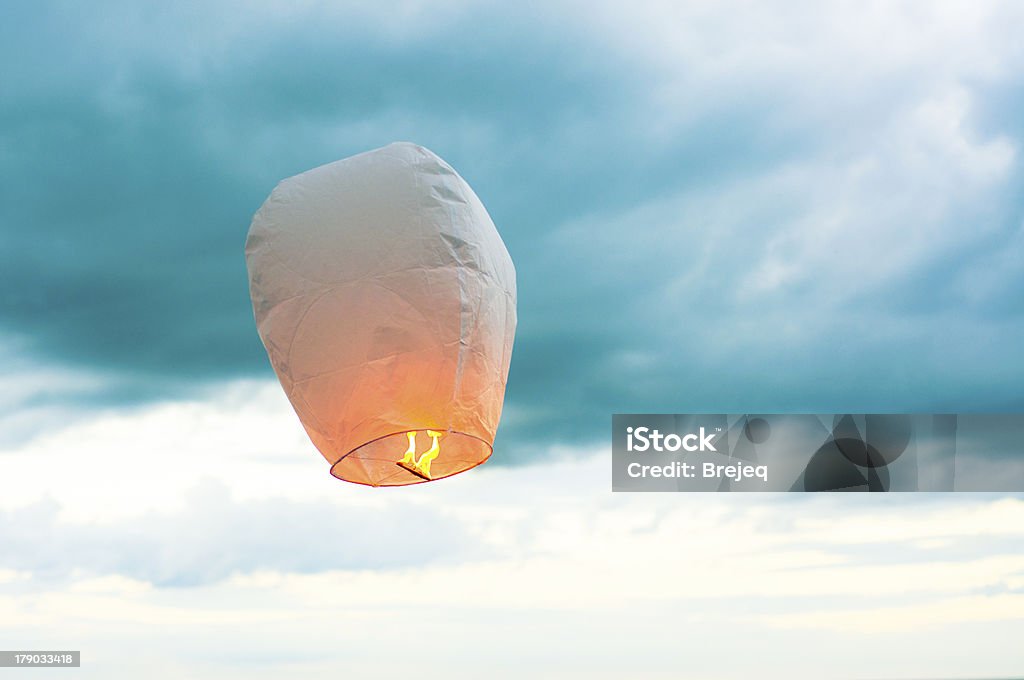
(735, 207)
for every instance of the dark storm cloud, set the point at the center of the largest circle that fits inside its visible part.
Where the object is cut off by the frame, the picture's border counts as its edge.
(132, 169)
(131, 176)
(135, 144)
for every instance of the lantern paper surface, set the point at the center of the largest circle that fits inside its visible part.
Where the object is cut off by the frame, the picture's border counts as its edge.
(386, 301)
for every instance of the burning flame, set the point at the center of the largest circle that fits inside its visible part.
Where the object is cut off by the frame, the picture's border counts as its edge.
(421, 467)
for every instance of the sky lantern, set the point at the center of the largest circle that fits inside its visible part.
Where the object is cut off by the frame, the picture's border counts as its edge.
(386, 301)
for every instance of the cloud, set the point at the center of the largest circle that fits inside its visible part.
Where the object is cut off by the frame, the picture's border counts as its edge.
(215, 518)
(193, 492)
(738, 208)
(692, 195)
(137, 169)
(631, 575)
(215, 537)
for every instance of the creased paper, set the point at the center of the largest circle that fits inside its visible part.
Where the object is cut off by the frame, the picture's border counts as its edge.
(386, 301)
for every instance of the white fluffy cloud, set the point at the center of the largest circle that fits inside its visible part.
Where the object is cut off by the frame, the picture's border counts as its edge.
(208, 532)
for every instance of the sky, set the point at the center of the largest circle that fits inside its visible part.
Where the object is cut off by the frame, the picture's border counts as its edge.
(712, 207)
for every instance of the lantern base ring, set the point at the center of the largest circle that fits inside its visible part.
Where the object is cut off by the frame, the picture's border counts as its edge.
(384, 461)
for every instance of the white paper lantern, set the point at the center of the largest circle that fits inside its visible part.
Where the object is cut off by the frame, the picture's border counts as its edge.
(386, 301)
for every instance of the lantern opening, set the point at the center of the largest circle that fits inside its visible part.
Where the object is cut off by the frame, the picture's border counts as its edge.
(404, 458)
